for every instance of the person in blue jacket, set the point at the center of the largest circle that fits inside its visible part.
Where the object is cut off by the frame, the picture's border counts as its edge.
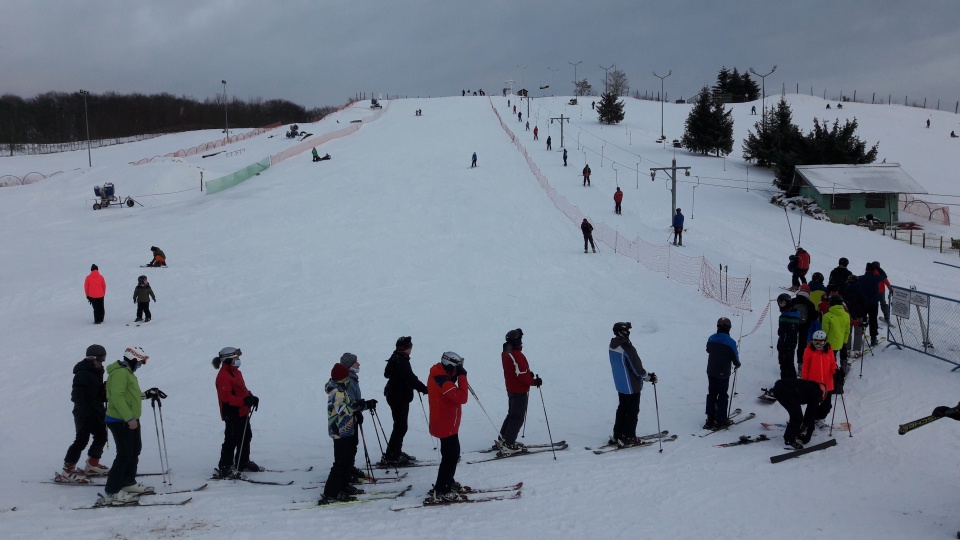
(869, 285)
(678, 228)
(628, 377)
(474, 162)
(721, 354)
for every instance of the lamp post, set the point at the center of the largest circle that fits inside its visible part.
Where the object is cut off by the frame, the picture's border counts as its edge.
(763, 102)
(86, 119)
(521, 68)
(552, 71)
(575, 74)
(226, 121)
(662, 97)
(606, 86)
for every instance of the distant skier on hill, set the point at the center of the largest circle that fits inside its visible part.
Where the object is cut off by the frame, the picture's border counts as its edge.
(142, 294)
(95, 287)
(159, 257)
(586, 175)
(678, 228)
(617, 199)
(549, 143)
(473, 163)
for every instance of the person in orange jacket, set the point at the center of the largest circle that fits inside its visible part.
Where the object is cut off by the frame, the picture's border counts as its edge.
(95, 287)
(820, 365)
(447, 388)
(617, 199)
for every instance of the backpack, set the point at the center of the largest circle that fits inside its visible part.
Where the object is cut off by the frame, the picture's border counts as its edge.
(792, 265)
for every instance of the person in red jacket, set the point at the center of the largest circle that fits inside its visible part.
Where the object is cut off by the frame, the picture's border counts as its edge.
(236, 402)
(447, 389)
(802, 265)
(819, 365)
(617, 199)
(518, 379)
(95, 287)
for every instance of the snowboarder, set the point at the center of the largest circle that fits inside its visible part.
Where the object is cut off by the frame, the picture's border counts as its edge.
(536, 132)
(678, 228)
(350, 361)
(820, 365)
(518, 379)
(617, 199)
(721, 354)
(587, 229)
(787, 329)
(401, 382)
(236, 404)
(95, 287)
(839, 275)
(473, 163)
(342, 428)
(801, 264)
(791, 394)
(836, 324)
(447, 388)
(549, 143)
(159, 258)
(88, 397)
(628, 378)
(564, 157)
(142, 294)
(123, 418)
(586, 175)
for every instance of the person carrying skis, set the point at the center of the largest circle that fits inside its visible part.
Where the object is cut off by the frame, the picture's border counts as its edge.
(787, 329)
(142, 294)
(123, 419)
(88, 396)
(791, 394)
(836, 324)
(401, 382)
(447, 387)
(159, 258)
(721, 354)
(342, 428)
(95, 287)
(236, 405)
(518, 379)
(820, 365)
(617, 199)
(839, 275)
(628, 378)
(678, 228)
(586, 174)
(587, 229)
(801, 264)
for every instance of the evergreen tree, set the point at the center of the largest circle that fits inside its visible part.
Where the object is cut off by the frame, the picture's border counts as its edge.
(609, 110)
(779, 142)
(723, 81)
(709, 127)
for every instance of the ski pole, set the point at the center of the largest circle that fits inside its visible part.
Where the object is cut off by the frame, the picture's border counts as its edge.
(156, 428)
(484, 410)
(524, 434)
(847, 418)
(425, 419)
(732, 394)
(163, 436)
(656, 403)
(366, 455)
(834, 415)
(376, 417)
(549, 434)
(243, 439)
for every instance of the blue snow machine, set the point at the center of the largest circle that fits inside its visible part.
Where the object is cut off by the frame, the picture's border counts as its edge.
(106, 195)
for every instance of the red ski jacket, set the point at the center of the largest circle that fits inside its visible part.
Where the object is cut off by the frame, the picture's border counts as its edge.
(94, 285)
(819, 366)
(516, 371)
(618, 196)
(230, 392)
(447, 393)
(803, 260)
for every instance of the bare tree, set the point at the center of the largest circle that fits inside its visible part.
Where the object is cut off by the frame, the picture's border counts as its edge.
(583, 88)
(617, 83)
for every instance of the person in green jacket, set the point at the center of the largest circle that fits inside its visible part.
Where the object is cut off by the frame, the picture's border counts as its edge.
(142, 294)
(836, 323)
(123, 419)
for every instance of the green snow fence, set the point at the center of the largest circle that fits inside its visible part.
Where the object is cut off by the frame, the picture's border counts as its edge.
(225, 182)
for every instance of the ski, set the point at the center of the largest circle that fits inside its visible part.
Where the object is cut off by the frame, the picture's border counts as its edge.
(807, 450)
(518, 454)
(740, 421)
(136, 504)
(744, 439)
(644, 442)
(367, 481)
(463, 499)
(382, 496)
(191, 490)
(154, 473)
(308, 469)
(382, 465)
(467, 490)
(250, 480)
(842, 426)
(544, 445)
(652, 436)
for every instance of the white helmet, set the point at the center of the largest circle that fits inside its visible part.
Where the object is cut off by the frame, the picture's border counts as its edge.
(135, 354)
(819, 335)
(452, 359)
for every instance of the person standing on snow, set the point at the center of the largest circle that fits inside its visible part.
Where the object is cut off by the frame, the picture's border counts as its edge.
(342, 428)
(587, 229)
(95, 287)
(791, 394)
(801, 264)
(88, 397)
(836, 323)
(142, 294)
(677, 228)
(839, 275)
(316, 155)
(236, 405)
(617, 199)
(787, 329)
(628, 378)
(401, 382)
(820, 365)
(884, 286)
(518, 379)
(549, 143)
(721, 354)
(857, 307)
(564, 157)
(870, 283)
(474, 162)
(536, 132)
(809, 314)
(447, 387)
(586, 175)
(350, 361)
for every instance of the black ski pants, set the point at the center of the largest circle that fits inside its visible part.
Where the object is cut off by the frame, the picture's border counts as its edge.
(516, 415)
(785, 355)
(791, 394)
(143, 308)
(873, 311)
(343, 453)
(87, 423)
(717, 397)
(625, 425)
(400, 409)
(235, 451)
(588, 238)
(449, 455)
(124, 470)
(98, 309)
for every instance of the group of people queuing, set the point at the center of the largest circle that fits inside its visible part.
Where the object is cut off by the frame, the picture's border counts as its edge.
(95, 289)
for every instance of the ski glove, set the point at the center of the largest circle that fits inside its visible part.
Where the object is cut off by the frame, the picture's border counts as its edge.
(155, 393)
(461, 370)
(537, 381)
(941, 411)
(251, 401)
(651, 378)
(370, 404)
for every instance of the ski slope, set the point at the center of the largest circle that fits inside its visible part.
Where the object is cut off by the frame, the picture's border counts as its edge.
(397, 235)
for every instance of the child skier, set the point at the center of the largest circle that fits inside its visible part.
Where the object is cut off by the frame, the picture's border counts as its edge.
(236, 404)
(142, 294)
(342, 427)
(88, 396)
(159, 258)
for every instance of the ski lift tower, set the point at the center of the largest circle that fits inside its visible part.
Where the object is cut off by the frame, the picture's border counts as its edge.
(511, 83)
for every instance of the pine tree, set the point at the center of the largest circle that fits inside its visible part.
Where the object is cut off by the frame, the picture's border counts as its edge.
(709, 127)
(609, 110)
(779, 142)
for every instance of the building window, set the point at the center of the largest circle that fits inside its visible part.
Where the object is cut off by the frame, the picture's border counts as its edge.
(840, 201)
(876, 200)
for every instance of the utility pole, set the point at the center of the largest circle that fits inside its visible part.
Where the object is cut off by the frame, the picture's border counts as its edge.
(575, 81)
(673, 177)
(606, 85)
(86, 118)
(226, 121)
(561, 118)
(662, 97)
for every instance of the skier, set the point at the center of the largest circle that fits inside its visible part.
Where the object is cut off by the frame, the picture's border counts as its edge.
(528, 125)
(447, 388)
(123, 418)
(159, 258)
(520, 117)
(342, 428)
(474, 162)
(839, 275)
(586, 175)
(617, 199)
(678, 228)
(564, 157)
(518, 379)
(587, 229)
(350, 361)
(721, 353)
(536, 132)
(142, 294)
(870, 283)
(549, 143)
(95, 287)
(791, 394)
(88, 397)
(884, 285)
(401, 382)
(628, 377)
(808, 316)
(787, 329)
(857, 307)
(316, 155)
(817, 288)
(236, 404)
(820, 365)
(836, 324)
(801, 264)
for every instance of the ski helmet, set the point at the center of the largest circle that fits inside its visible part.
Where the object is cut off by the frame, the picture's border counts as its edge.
(819, 339)
(135, 354)
(784, 300)
(142, 278)
(622, 329)
(844, 262)
(451, 359)
(514, 337)
(724, 324)
(404, 343)
(228, 353)
(836, 300)
(95, 351)
(817, 276)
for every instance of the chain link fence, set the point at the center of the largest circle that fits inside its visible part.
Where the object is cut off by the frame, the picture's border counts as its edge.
(926, 323)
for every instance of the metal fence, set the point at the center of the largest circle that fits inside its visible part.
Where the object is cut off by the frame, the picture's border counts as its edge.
(926, 323)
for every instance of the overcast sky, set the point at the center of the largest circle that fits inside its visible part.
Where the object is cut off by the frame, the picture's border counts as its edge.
(323, 52)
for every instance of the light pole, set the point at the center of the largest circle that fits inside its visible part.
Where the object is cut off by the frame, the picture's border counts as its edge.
(521, 75)
(86, 119)
(763, 102)
(575, 75)
(552, 71)
(226, 122)
(606, 86)
(662, 97)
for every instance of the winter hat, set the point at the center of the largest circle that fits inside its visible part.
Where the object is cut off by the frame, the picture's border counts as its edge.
(348, 360)
(339, 372)
(404, 343)
(804, 288)
(93, 267)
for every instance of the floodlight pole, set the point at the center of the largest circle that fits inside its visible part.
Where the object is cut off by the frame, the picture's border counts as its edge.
(673, 178)
(521, 76)
(574, 76)
(662, 97)
(606, 85)
(226, 122)
(552, 72)
(86, 119)
(763, 102)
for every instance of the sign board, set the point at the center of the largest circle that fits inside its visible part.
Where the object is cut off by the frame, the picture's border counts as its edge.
(900, 303)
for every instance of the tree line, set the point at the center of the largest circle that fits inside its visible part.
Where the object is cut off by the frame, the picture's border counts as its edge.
(59, 117)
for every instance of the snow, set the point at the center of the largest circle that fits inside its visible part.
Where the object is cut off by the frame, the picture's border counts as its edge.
(397, 235)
